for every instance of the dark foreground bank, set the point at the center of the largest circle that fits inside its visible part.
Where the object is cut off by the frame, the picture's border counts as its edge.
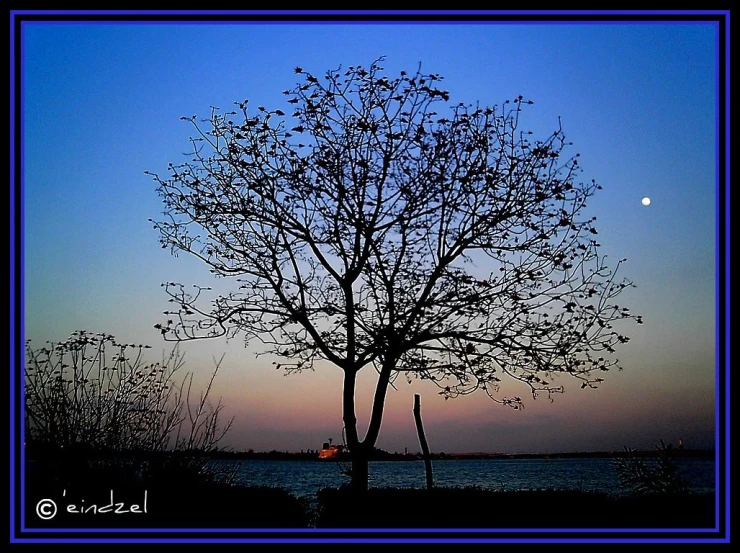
(216, 505)
(79, 489)
(479, 508)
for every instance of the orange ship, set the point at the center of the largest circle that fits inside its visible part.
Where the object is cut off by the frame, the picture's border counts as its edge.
(330, 451)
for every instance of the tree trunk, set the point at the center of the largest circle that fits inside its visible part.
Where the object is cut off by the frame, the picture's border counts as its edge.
(360, 473)
(360, 451)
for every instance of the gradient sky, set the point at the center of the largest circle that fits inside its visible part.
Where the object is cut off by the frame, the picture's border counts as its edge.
(102, 103)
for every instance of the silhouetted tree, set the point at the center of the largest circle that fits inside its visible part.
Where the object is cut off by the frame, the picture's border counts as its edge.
(371, 230)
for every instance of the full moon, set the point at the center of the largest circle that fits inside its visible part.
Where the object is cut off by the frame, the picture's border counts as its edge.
(646, 201)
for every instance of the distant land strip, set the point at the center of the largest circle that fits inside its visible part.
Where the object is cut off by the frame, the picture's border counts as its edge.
(381, 455)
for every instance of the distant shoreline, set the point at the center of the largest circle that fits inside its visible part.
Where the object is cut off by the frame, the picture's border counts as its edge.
(381, 455)
(37, 451)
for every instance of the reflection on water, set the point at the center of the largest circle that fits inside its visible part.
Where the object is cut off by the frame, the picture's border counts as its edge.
(304, 478)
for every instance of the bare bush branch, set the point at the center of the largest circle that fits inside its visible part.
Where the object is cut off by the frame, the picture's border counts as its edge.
(91, 391)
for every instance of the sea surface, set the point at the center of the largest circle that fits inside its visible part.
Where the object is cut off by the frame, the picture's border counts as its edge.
(305, 478)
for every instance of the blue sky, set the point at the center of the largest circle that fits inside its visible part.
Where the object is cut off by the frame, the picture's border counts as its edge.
(101, 105)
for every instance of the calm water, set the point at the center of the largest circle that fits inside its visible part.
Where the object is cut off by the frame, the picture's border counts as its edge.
(305, 478)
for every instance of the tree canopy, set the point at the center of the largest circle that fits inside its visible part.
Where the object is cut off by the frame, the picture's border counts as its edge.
(377, 224)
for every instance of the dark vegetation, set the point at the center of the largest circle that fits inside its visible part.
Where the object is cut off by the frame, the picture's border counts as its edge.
(641, 477)
(98, 417)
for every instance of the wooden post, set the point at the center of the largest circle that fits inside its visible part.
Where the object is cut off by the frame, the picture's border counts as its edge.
(423, 441)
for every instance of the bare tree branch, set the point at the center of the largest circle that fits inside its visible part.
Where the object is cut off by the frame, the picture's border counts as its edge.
(366, 228)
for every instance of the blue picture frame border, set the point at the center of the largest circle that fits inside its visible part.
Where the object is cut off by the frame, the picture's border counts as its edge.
(719, 534)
